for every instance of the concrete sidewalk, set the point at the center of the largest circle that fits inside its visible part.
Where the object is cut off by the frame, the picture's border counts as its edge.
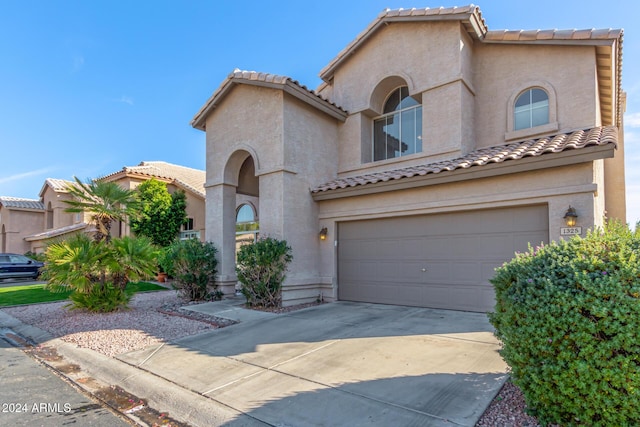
(335, 364)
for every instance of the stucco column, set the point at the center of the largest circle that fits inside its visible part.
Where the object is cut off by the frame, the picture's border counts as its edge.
(221, 230)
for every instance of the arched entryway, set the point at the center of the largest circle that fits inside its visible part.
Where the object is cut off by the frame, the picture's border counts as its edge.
(233, 213)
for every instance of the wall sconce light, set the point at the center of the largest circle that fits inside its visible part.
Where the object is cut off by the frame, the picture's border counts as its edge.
(323, 233)
(570, 217)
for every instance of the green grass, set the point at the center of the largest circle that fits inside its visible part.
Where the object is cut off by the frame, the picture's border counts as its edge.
(35, 294)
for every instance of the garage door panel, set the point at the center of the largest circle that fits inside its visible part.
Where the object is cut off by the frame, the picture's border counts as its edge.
(349, 270)
(438, 271)
(464, 246)
(349, 249)
(372, 249)
(382, 260)
(436, 248)
(367, 271)
(411, 272)
(465, 272)
(532, 237)
(386, 270)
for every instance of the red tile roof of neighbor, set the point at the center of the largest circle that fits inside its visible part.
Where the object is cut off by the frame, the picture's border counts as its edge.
(189, 178)
(598, 136)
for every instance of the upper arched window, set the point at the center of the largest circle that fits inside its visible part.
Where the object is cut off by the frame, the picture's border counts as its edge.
(531, 109)
(398, 132)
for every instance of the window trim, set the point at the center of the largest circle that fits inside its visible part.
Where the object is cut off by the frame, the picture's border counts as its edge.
(399, 112)
(551, 126)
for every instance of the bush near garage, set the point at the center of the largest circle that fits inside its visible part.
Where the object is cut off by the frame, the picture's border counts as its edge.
(568, 315)
(261, 269)
(193, 266)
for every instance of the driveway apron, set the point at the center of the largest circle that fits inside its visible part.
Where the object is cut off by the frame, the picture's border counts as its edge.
(342, 364)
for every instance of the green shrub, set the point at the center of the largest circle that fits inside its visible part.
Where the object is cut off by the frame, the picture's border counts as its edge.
(261, 269)
(98, 271)
(568, 315)
(192, 264)
(38, 257)
(101, 299)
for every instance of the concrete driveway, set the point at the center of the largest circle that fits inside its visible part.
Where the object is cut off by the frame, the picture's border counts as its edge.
(339, 364)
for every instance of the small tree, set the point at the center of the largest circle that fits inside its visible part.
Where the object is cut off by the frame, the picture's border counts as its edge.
(261, 270)
(568, 316)
(159, 214)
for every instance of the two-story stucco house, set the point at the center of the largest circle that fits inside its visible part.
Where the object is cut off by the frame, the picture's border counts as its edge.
(433, 150)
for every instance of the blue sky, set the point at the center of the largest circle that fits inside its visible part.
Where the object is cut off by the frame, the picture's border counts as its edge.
(87, 87)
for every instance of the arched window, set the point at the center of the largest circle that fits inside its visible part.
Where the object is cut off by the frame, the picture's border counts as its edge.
(49, 216)
(398, 132)
(531, 109)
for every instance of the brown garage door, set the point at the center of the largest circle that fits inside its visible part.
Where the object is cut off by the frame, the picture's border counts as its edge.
(439, 261)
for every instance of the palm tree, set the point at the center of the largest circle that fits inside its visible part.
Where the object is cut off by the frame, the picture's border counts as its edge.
(106, 201)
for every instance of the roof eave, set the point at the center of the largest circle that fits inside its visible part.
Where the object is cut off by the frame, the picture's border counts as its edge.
(288, 86)
(565, 158)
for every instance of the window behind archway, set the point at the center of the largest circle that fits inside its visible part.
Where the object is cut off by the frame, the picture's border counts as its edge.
(531, 109)
(247, 228)
(398, 132)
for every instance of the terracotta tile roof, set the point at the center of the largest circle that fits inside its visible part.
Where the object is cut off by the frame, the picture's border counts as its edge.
(535, 35)
(291, 86)
(188, 178)
(518, 150)
(20, 203)
(58, 185)
(56, 232)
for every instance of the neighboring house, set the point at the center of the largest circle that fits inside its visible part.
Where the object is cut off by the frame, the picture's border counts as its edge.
(191, 181)
(56, 223)
(29, 225)
(433, 150)
(19, 218)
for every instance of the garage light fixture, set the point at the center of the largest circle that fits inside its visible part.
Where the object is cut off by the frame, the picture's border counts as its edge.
(570, 217)
(323, 233)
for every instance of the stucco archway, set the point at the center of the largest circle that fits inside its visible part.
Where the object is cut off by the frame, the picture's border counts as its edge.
(240, 186)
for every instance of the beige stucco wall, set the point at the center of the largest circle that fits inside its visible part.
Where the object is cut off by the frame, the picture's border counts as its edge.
(55, 200)
(502, 71)
(17, 224)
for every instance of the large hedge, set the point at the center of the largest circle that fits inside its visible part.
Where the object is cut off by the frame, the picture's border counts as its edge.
(568, 316)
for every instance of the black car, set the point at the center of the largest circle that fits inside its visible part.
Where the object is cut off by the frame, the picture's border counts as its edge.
(16, 266)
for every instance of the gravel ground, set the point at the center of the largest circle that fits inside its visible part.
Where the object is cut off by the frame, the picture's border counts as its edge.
(156, 317)
(153, 318)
